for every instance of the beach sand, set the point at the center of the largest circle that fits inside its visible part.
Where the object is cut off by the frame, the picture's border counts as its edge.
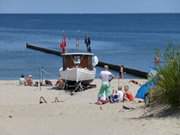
(21, 113)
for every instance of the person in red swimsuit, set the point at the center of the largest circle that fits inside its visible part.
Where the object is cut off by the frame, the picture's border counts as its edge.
(128, 96)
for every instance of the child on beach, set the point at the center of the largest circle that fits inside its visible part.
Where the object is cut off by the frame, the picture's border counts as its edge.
(117, 95)
(128, 96)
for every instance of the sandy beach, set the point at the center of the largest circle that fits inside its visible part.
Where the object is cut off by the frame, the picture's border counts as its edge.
(21, 113)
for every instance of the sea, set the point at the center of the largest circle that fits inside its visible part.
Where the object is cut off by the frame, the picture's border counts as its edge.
(125, 39)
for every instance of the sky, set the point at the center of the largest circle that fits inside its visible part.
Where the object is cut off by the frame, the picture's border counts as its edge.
(89, 6)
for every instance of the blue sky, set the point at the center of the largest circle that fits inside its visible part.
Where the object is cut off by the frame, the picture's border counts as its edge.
(89, 6)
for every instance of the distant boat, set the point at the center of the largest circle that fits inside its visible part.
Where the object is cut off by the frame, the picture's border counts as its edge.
(78, 68)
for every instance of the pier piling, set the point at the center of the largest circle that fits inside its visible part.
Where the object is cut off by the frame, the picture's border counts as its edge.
(114, 67)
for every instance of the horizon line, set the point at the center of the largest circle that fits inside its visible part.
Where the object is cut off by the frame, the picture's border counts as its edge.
(99, 13)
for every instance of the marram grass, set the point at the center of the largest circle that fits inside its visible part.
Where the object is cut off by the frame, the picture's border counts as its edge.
(167, 90)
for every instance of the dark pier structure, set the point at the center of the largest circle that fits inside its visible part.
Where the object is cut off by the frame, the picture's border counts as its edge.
(114, 67)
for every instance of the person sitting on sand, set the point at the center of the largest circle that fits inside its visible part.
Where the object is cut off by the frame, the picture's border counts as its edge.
(105, 90)
(29, 80)
(48, 83)
(22, 80)
(60, 84)
(128, 96)
(117, 95)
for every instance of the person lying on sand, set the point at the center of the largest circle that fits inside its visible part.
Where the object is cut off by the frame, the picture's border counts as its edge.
(134, 82)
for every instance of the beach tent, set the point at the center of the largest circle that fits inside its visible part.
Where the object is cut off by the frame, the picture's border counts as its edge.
(144, 89)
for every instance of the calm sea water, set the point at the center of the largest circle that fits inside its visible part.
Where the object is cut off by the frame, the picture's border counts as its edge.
(129, 39)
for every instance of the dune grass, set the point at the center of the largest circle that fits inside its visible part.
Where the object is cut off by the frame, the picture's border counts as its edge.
(167, 90)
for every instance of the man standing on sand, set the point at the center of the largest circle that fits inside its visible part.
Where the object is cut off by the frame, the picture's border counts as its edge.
(87, 41)
(105, 91)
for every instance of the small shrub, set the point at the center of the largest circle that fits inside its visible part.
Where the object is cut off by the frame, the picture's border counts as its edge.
(167, 90)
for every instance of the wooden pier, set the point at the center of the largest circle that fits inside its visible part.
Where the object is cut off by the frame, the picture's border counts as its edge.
(114, 67)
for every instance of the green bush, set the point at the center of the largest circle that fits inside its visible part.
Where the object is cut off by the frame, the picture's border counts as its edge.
(167, 90)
